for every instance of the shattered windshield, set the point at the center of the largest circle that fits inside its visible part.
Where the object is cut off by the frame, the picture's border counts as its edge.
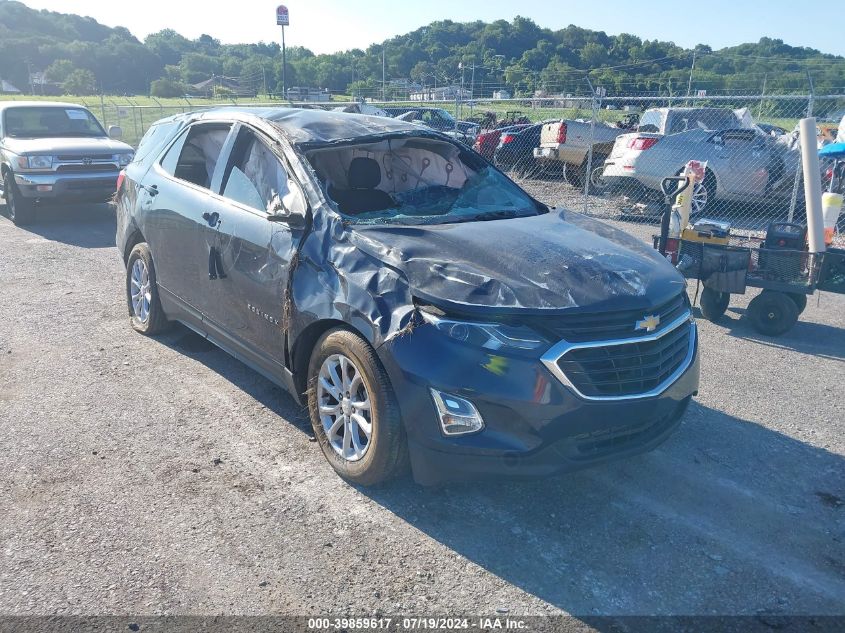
(415, 180)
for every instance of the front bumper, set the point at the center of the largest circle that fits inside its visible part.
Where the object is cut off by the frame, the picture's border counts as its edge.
(95, 186)
(534, 424)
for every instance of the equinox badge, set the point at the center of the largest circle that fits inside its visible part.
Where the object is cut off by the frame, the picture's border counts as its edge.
(649, 323)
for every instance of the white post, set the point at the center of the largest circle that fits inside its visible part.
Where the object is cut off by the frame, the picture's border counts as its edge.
(812, 184)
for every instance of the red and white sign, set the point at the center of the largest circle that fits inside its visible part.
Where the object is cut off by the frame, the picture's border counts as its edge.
(282, 17)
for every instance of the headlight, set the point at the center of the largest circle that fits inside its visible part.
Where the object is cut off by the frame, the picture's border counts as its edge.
(124, 159)
(39, 162)
(492, 336)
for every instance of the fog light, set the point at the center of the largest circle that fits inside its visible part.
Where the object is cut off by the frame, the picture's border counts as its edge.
(457, 415)
(44, 188)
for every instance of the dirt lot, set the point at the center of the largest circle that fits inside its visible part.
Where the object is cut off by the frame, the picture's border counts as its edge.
(148, 476)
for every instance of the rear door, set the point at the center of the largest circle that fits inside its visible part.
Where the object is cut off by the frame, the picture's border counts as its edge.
(254, 253)
(176, 194)
(741, 159)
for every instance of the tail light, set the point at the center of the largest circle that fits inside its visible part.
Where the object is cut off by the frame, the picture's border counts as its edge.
(829, 173)
(507, 138)
(120, 178)
(561, 133)
(642, 143)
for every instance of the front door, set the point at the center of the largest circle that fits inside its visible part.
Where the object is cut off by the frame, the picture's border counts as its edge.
(176, 193)
(252, 250)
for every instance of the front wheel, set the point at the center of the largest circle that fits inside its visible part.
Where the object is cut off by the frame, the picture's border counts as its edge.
(145, 313)
(713, 304)
(353, 410)
(21, 210)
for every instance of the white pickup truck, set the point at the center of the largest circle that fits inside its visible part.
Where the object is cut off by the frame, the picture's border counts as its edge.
(568, 141)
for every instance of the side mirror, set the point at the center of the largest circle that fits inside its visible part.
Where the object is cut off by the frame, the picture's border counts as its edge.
(290, 210)
(284, 216)
(115, 132)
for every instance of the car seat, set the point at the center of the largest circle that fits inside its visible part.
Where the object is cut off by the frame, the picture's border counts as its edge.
(362, 196)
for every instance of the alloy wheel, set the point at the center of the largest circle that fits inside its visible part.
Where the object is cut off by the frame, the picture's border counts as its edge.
(344, 407)
(141, 292)
(699, 198)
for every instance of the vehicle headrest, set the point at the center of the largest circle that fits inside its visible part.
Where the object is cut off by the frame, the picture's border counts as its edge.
(364, 173)
(14, 120)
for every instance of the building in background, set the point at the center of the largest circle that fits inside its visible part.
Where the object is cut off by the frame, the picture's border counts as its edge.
(315, 95)
(442, 93)
(8, 89)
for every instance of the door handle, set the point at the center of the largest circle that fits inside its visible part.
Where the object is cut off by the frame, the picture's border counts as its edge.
(213, 219)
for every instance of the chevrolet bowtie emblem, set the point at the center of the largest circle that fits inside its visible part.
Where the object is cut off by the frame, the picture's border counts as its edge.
(649, 323)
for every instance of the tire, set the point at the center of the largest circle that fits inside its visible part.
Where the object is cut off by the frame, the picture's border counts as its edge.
(597, 182)
(713, 304)
(375, 458)
(21, 211)
(800, 300)
(772, 313)
(145, 313)
(574, 175)
(704, 194)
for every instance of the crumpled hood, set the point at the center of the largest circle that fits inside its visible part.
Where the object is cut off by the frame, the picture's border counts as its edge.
(552, 262)
(68, 145)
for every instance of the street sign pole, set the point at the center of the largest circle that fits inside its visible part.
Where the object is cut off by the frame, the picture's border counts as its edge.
(283, 20)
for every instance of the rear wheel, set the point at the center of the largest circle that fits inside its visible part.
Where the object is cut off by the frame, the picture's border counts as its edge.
(21, 210)
(772, 313)
(145, 312)
(353, 410)
(713, 304)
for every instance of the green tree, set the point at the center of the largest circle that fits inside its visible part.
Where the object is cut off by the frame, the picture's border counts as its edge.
(59, 70)
(167, 88)
(80, 82)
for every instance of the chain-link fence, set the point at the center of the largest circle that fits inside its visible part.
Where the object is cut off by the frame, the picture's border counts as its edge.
(607, 156)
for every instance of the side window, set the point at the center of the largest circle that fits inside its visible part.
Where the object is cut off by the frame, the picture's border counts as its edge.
(256, 178)
(154, 139)
(651, 121)
(193, 157)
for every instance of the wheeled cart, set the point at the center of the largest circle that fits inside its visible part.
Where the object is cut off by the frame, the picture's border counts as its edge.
(786, 276)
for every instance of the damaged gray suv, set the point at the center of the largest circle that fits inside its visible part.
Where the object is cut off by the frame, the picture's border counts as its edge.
(429, 312)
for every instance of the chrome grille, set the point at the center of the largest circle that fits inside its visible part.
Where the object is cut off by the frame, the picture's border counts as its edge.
(624, 369)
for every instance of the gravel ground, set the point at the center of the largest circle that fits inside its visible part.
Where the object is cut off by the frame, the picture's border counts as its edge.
(160, 476)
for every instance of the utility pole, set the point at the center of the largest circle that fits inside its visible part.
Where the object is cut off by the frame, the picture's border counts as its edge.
(31, 83)
(692, 68)
(283, 20)
(383, 76)
(472, 90)
(762, 96)
(264, 75)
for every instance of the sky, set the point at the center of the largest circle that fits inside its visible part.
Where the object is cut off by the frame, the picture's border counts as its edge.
(326, 26)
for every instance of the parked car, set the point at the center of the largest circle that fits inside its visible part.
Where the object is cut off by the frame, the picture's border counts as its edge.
(568, 142)
(437, 119)
(515, 153)
(487, 142)
(423, 306)
(743, 164)
(55, 152)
